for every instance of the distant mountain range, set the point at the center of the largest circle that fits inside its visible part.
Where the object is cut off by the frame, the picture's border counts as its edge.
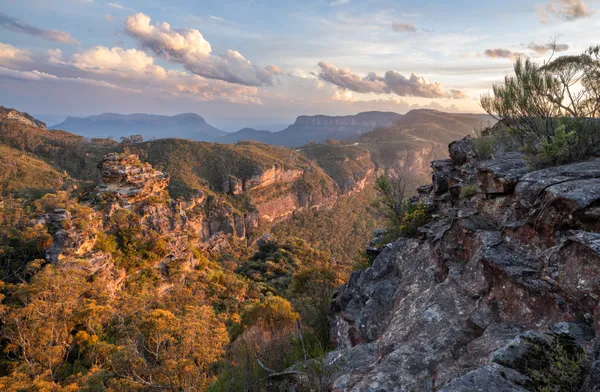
(186, 126)
(249, 134)
(426, 124)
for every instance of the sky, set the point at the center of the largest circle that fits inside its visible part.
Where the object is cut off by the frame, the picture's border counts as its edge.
(258, 62)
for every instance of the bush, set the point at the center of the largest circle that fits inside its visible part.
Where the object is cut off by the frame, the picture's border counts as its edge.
(403, 216)
(468, 191)
(551, 367)
(483, 147)
(275, 313)
(416, 215)
(106, 243)
(551, 111)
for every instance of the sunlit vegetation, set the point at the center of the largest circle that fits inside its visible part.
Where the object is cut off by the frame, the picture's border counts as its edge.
(122, 303)
(130, 317)
(550, 111)
(63, 150)
(23, 175)
(353, 217)
(403, 216)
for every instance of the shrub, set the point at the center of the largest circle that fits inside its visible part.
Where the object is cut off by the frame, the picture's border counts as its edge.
(551, 367)
(416, 215)
(403, 216)
(483, 147)
(390, 200)
(106, 243)
(551, 111)
(468, 191)
(275, 313)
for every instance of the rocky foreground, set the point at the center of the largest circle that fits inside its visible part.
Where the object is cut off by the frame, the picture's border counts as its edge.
(500, 293)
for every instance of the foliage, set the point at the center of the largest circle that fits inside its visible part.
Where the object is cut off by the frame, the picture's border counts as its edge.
(403, 216)
(274, 263)
(558, 150)
(353, 219)
(555, 366)
(23, 175)
(390, 200)
(416, 215)
(484, 145)
(69, 152)
(469, 191)
(551, 110)
(311, 293)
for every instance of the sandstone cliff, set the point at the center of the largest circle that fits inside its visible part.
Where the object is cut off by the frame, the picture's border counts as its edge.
(500, 292)
(205, 221)
(126, 179)
(365, 121)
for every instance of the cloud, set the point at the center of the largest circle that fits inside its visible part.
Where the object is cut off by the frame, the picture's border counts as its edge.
(458, 94)
(12, 55)
(564, 9)
(19, 26)
(138, 69)
(217, 19)
(391, 83)
(126, 62)
(404, 27)
(124, 69)
(336, 3)
(36, 75)
(346, 79)
(502, 53)
(541, 49)
(109, 18)
(188, 47)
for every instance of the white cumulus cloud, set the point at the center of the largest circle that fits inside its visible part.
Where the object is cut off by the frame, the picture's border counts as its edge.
(188, 47)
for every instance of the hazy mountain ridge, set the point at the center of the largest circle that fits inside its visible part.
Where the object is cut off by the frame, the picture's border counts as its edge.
(248, 134)
(185, 125)
(423, 123)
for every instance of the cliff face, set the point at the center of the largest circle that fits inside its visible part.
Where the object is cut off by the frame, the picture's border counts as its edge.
(499, 292)
(186, 125)
(320, 128)
(202, 222)
(365, 120)
(271, 176)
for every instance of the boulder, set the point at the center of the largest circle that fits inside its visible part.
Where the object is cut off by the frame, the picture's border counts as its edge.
(567, 195)
(444, 176)
(485, 379)
(461, 150)
(501, 174)
(532, 185)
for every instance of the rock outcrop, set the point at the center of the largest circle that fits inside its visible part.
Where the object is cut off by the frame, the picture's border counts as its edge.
(125, 178)
(126, 182)
(499, 293)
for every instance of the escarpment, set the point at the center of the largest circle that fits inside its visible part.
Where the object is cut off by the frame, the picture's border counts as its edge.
(499, 292)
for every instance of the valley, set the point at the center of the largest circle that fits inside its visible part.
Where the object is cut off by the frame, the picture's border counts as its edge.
(313, 196)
